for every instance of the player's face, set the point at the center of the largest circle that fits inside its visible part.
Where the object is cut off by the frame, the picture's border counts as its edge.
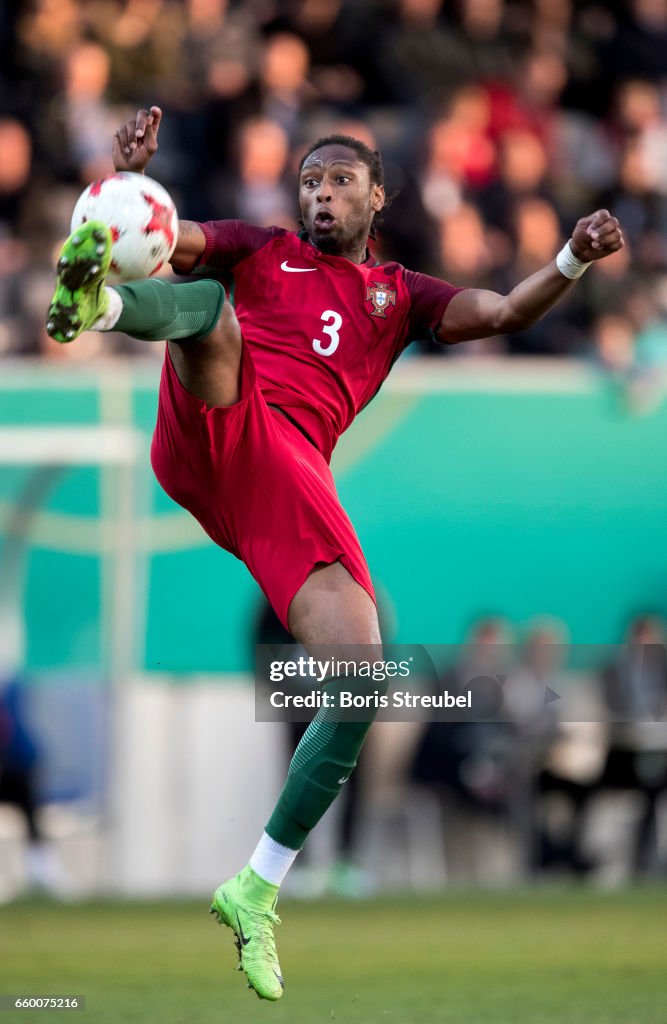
(338, 199)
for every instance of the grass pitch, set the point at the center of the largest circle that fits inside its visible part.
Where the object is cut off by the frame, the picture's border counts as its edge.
(558, 956)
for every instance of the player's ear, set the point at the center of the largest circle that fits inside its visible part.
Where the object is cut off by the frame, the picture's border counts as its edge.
(378, 197)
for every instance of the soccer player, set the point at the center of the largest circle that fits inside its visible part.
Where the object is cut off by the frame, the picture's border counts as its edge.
(252, 401)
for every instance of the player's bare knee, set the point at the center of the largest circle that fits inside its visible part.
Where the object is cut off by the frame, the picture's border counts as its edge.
(332, 608)
(228, 329)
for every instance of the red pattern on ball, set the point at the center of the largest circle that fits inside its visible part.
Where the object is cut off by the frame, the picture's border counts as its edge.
(160, 219)
(96, 186)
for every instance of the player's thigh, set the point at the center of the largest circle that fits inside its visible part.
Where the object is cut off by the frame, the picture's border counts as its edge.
(209, 368)
(332, 608)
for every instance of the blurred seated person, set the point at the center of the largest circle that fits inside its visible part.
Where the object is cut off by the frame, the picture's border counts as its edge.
(19, 760)
(466, 761)
(461, 757)
(634, 688)
(544, 767)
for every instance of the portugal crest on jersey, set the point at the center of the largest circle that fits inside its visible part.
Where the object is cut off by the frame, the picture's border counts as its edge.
(381, 297)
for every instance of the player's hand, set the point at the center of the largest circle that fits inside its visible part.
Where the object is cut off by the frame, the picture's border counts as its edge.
(135, 142)
(596, 236)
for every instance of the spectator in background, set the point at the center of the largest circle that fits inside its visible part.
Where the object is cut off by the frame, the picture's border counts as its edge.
(522, 172)
(467, 251)
(639, 45)
(530, 100)
(639, 134)
(209, 89)
(422, 61)
(15, 166)
(13, 313)
(47, 29)
(463, 758)
(87, 112)
(536, 226)
(637, 198)
(19, 761)
(263, 196)
(614, 343)
(631, 345)
(257, 191)
(337, 37)
(531, 693)
(604, 292)
(466, 760)
(531, 688)
(488, 41)
(461, 153)
(637, 115)
(634, 688)
(285, 91)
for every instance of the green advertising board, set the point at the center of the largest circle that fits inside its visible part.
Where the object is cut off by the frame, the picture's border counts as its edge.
(517, 489)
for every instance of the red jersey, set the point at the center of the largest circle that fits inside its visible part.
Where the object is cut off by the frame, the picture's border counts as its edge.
(323, 331)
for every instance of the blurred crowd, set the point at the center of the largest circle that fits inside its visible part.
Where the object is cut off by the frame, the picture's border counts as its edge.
(523, 786)
(542, 770)
(501, 122)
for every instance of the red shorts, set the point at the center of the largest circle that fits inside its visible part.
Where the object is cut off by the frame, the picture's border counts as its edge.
(258, 487)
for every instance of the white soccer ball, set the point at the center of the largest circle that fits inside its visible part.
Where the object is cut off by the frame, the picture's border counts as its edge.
(142, 218)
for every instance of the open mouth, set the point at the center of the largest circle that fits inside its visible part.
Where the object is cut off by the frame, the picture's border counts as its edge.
(324, 220)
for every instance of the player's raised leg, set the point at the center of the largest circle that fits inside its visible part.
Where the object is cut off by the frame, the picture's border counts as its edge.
(150, 310)
(329, 609)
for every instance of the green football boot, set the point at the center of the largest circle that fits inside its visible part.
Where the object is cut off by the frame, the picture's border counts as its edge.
(80, 299)
(246, 904)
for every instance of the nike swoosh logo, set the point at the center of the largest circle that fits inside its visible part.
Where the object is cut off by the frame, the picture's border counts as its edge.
(282, 983)
(341, 781)
(296, 270)
(241, 935)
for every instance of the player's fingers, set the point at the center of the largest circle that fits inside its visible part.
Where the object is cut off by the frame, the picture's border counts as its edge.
(599, 233)
(131, 130)
(151, 136)
(605, 230)
(123, 140)
(606, 222)
(612, 239)
(156, 115)
(142, 118)
(598, 218)
(152, 125)
(609, 247)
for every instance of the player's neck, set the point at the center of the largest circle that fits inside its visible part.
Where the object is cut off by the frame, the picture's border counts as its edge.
(357, 252)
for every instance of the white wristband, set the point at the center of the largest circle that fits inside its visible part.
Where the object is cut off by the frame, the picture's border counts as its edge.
(569, 265)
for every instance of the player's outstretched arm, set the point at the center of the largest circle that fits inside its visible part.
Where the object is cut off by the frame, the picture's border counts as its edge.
(475, 313)
(134, 144)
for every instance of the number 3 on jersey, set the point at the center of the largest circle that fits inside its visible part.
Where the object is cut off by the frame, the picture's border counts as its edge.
(333, 320)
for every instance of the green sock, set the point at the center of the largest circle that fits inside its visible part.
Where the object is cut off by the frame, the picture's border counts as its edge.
(322, 763)
(155, 310)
